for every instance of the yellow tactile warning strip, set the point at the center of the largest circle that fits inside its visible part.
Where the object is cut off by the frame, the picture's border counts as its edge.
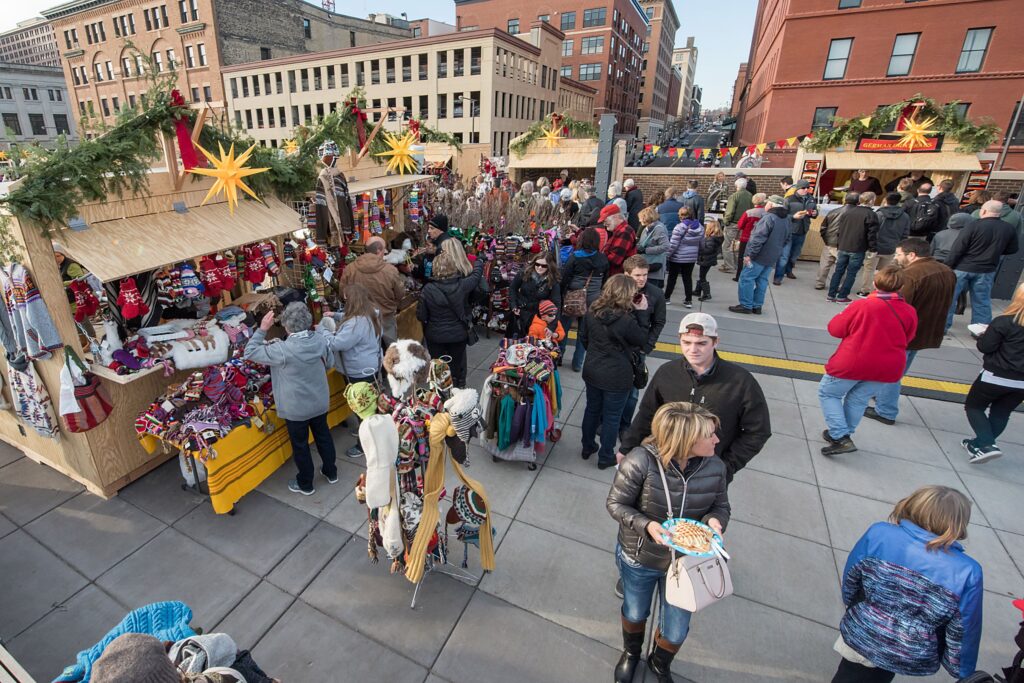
(952, 391)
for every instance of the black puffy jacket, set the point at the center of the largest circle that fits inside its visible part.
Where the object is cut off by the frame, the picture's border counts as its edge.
(609, 338)
(1003, 346)
(444, 307)
(582, 267)
(637, 498)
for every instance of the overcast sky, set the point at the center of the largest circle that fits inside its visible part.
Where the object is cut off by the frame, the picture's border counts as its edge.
(722, 30)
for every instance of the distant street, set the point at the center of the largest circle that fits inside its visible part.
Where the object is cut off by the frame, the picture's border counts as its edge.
(702, 140)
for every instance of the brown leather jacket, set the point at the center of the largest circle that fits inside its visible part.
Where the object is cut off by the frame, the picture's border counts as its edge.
(380, 278)
(928, 286)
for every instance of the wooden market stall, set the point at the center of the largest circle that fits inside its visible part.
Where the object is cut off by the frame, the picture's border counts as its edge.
(577, 155)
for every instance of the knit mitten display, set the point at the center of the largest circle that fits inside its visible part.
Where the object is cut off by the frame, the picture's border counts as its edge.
(240, 256)
(164, 293)
(255, 266)
(191, 286)
(130, 301)
(226, 273)
(86, 303)
(209, 275)
(269, 253)
(289, 253)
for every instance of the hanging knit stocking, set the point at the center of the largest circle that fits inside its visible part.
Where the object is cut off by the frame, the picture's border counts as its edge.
(209, 275)
(191, 286)
(130, 301)
(269, 254)
(225, 270)
(289, 253)
(255, 266)
(86, 303)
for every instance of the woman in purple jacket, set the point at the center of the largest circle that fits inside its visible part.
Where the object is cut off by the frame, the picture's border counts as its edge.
(683, 249)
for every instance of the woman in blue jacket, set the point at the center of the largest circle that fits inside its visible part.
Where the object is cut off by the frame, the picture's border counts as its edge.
(913, 596)
(683, 249)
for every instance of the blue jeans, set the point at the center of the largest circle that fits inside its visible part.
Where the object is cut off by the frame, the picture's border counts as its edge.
(843, 402)
(790, 253)
(754, 285)
(630, 407)
(603, 408)
(638, 584)
(848, 263)
(580, 353)
(980, 287)
(887, 400)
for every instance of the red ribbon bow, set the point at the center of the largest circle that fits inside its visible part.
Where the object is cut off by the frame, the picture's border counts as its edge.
(186, 150)
(360, 115)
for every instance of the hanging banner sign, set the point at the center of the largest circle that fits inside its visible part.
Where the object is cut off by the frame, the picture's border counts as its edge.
(868, 143)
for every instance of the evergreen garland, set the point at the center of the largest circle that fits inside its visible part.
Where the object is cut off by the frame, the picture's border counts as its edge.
(575, 128)
(969, 137)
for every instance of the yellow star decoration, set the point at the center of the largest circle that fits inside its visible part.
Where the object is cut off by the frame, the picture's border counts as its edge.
(291, 147)
(229, 172)
(553, 136)
(401, 153)
(3, 155)
(915, 134)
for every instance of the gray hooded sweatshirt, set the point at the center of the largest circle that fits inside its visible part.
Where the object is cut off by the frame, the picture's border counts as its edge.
(298, 372)
(944, 239)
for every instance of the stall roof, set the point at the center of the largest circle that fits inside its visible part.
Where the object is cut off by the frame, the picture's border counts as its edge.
(554, 159)
(111, 250)
(924, 161)
(437, 157)
(385, 183)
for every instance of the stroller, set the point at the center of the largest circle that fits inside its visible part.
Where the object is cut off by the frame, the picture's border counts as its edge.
(1011, 674)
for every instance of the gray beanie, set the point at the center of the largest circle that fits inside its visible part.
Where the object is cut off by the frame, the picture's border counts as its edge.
(135, 657)
(959, 220)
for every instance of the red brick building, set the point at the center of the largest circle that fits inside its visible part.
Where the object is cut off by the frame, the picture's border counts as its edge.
(602, 46)
(814, 59)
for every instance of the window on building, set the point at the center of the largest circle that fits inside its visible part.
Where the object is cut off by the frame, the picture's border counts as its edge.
(115, 104)
(961, 110)
(248, 119)
(245, 86)
(105, 106)
(131, 101)
(281, 118)
(318, 83)
(145, 15)
(422, 66)
(12, 123)
(307, 28)
(424, 107)
(457, 105)
(351, 38)
(375, 72)
(513, 26)
(256, 86)
(1016, 135)
(546, 18)
(417, 31)
(49, 93)
(109, 68)
(848, 4)
(823, 117)
(360, 74)
(126, 67)
(190, 57)
(183, 10)
(838, 55)
(158, 62)
(307, 114)
(304, 80)
(98, 68)
(60, 124)
(201, 48)
(566, 72)
(567, 48)
(590, 72)
(195, 94)
(474, 96)
(459, 63)
(592, 46)
(389, 69)
(475, 58)
(238, 118)
(295, 115)
(265, 53)
(140, 65)
(442, 65)
(903, 49)
(594, 17)
(270, 118)
(163, 16)
(406, 68)
(259, 118)
(568, 20)
(344, 76)
(442, 106)
(972, 56)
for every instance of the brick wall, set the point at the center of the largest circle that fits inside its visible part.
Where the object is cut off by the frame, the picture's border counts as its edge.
(1013, 186)
(654, 184)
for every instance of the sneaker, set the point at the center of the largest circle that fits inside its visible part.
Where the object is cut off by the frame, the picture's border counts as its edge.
(980, 454)
(740, 309)
(819, 286)
(838, 446)
(828, 437)
(618, 589)
(776, 282)
(873, 414)
(293, 486)
(687, 304)
(330, 480)
(790, 276)
(830, 299)
(354, 452)
(844, 300)
(862, 294)
(756, 311)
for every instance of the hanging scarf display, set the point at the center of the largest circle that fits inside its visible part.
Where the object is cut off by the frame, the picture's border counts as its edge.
(32, 402)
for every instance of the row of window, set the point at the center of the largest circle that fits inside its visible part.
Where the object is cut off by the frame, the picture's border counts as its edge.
(155, 18)
(588, 46)
(113, 105)
(32, 94)
(904, 47)
(37, 124)
(104, 70)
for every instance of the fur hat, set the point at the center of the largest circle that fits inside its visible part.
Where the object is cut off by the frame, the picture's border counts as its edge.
(378, 435)
(134, 657)
(407, 364)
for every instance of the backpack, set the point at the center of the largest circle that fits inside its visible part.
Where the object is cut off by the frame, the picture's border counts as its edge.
(927, 219)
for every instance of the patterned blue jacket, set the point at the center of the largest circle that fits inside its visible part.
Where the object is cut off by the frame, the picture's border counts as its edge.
(909, 608)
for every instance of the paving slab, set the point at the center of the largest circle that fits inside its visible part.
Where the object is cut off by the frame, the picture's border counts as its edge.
(506, 482)
(327, 495)
(307, 645)
(534, 650)
(783, 505)
(6, 526)
(776, 388)
(29, 490)
(252, 618)
(367, 598)
(1010, 467)
(950, 417)
(1000, 501)
(761, 556)
(739, 641)
(571, 506)
(93, 534)
(785, 456)
(349, 514)
(9, 454)
(901, 440)
(262, 532)
(54, 641)
(160, 494)
(849, 516)
(1001, 574)
(174, 567)
(1014, 545)
(565, 456)
(302, 564)
(34, 582)
(786, 418)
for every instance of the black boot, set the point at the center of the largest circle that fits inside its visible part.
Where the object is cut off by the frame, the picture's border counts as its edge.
(660, 664)
(632, 647)
(706, 291)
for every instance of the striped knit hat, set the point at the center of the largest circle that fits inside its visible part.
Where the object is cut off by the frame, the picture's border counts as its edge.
(547, 308)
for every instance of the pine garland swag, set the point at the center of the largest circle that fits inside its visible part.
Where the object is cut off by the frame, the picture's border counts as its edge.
(575, 128)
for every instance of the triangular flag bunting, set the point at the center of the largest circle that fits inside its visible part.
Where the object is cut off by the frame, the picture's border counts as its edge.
(647, 148)
(780, 143)
(866, 121)
(761, 147)
(751, 148)
(809, 136)
(681, 152)
(657, 148)
(733, 150)
(671, 151)
(697, 152)
(720, 152)
(801, 138)
(791, 141)
(707, 153)
(771, 145)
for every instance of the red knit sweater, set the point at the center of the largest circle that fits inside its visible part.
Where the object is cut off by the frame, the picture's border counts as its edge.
(875, 332)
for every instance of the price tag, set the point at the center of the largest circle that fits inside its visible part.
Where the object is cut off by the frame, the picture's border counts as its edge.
(328, 274)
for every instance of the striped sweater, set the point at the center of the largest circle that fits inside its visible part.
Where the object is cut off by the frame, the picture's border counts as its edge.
(910, 609)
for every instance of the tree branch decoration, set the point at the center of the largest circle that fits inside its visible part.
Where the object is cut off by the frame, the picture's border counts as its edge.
(564, 126)
(937, 119)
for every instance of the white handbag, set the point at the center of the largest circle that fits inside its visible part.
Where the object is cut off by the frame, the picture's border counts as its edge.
(693, 583)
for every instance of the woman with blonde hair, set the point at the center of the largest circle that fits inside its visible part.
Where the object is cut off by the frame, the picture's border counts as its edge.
(999, 389)
(444, 307)
(611, 334)
(682, 446)
(653, 245)
(913, 596)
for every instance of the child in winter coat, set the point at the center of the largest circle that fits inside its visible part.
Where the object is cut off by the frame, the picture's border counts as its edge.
(682, 254)
(707, 258)
(545, 324)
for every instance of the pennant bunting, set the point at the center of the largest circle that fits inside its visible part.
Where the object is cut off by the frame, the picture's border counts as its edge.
(751, 148)
(657, 148)
(791, 141)
(697, 151)
(671, 151)
(647, 148)
(866, 121)
(681, 152)
(707, 153)
(809, 136)
(779, 144)
(733, 150)
(761, 147)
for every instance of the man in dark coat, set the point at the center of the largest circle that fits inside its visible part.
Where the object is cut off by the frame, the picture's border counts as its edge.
(651, 318)
(858, 231)
(927, 286)
(802, 208)
(762, 255)
(634, 203)
(950, 202)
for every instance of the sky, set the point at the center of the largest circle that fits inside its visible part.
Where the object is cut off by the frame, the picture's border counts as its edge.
(722, 36)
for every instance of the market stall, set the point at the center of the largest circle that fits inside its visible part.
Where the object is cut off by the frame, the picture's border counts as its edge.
(549, 146)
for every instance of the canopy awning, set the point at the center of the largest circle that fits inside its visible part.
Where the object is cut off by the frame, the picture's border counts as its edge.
(909, 161)
(567, 159)
(111, 250)
(385, 183)
(437, 157)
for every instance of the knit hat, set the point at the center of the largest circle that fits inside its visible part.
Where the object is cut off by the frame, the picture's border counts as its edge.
(135, 657)
(547, 308)
(328, 148)
(776, 199)
(959, 220)
(439, 221)
(378, 435)
(362, 399)
(609, 210)
(463, 409)
(467, 506)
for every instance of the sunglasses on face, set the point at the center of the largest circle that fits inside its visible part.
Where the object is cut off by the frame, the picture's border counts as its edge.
(540, 266)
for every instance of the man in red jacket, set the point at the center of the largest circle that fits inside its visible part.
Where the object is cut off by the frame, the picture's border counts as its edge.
(621, 238)
(875, 332)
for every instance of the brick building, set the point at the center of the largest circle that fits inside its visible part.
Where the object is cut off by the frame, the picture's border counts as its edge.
(656, 81)
(602, 43)
(31, 42)
(194, 37)
(675, 87)
(816, 59)
(737, 90)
